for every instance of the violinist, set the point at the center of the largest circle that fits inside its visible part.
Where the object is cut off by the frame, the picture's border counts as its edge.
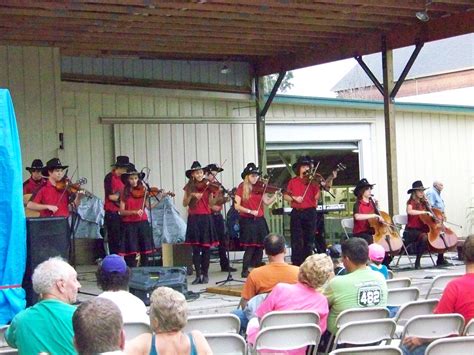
(50, 200)
(253, 226)
(136, 238)
(113, 187)
(200, 232)
(219, 225)
(36, 180)
(416, 232)
(303, 195)
(364, 209)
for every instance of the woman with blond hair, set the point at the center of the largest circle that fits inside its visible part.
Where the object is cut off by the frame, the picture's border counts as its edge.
(315, 271)
(168, 317)
(253, 226)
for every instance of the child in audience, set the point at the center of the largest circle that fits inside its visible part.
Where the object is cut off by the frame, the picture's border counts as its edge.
(334, 252)
(376, 256)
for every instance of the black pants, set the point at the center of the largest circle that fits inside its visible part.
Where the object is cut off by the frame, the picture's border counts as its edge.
(201, 257)
(302, 227)
(252, 257)
(368, 237)
(319, 237)
(416, 241)
(112, 224)
(219, 227)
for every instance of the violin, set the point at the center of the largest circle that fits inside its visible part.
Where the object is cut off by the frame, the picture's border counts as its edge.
(312, 177)
(440, 237)
(261, 187)
(140, 191)
(207, 185)
(65, 184)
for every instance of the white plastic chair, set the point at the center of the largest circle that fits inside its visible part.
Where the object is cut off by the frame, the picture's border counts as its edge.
(400, 221)
(398, 282)
(288, 337)
(132, 330)
(226, 343)
(214, 323)
(456, 345)
(410, 310)
(433, 326)
(347, 226)
(439, 283)
(376, 350)
(365, 332)
(400, 296)
(469, 329)
(278, 318)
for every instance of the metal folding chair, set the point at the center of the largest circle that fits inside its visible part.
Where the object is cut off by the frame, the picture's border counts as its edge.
(134, 329)
(439, 283)
(410, 310)
(398, 282)
(397, 297)
(375, 350)
(347, 226)
(456, 345)
(279, 318)
(214, 323)
(226, 343)
(400, 220)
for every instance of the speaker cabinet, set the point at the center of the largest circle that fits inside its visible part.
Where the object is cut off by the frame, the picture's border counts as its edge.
(45, 238)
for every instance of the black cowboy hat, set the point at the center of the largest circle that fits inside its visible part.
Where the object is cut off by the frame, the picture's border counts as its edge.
(131, 170)
(194, 166)
(251, 168)
(417, 185)
(303, 160)
(37, 164)
(212, 167)
(361, 184)
(52, 164)
(122, 161)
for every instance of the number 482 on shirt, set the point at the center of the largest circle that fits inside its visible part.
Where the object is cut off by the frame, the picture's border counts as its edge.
(369, 296)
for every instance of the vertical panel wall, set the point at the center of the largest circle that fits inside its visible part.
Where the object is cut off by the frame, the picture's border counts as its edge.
(32, 74)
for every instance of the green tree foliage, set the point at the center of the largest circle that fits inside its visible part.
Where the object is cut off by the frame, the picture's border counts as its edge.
(270, 80)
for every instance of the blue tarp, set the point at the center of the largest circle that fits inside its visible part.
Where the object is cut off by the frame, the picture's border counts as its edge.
(12, 215)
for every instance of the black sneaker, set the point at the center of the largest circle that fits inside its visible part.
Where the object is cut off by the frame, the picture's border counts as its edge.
(228, 268)
(443, 262)
(196, 281)
(205, 279)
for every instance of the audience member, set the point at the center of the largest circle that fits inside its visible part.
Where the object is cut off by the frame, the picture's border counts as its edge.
(376, 257)
(113, 276)
(98, 328)
(261, 280)
(168, 317)
(457, 298)
(360, 288)
(46, 327)
(315, 271)
(334, 251)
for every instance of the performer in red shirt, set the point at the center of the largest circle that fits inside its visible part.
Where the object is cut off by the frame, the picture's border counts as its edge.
(136, 238)
(49, 200)
(219, 225)
(253, 226)
(113, 187)
(303, 197)
(36, 180)
(364, 209)
(200, 232)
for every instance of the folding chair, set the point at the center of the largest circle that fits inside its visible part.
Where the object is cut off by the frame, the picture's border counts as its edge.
(376, 350)
(410, 310)
(132, 330)
(288, 337)
(278, 318)
(391, 275)
(365, 332)
(8, 351)
(439, 283)
(456, 345)
(433, 326)
(347, 226)
(397, 297)
(469, 329)
(226, 343)
(400, 220)
(398, 282)
(357, 315)
(215, 323)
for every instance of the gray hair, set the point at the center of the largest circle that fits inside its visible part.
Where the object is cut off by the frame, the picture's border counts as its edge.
(169, 308)
(48, 273)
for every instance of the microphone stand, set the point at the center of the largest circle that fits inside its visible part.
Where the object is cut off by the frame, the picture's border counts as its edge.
(151, 223)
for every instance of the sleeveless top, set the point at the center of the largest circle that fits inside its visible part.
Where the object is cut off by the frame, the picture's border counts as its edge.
(153, 350)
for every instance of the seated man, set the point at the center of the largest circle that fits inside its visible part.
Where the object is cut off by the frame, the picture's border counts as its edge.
(262, 279)
(362, 287)
(457, 298)
(98, 327)
(46, 327)
(113, 276)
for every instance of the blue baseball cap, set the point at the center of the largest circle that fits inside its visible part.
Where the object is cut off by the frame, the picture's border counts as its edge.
(114, 263)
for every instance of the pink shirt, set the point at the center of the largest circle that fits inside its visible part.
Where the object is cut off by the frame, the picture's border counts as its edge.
(296, 297)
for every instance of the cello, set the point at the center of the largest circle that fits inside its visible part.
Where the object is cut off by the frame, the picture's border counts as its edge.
(440, 237)
(386, 234)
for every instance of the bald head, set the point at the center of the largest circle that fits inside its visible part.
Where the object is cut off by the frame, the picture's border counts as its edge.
(438, 185)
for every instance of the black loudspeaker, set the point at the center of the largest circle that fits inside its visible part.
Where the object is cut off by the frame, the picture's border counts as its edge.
(45, 238)
(144, 280)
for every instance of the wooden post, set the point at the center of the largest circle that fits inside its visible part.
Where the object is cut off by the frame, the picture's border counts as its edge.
(261, 144)
(390, 129)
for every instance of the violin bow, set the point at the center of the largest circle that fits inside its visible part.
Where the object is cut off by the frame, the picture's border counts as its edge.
(312, 173)
(264, 191)
(65, 189)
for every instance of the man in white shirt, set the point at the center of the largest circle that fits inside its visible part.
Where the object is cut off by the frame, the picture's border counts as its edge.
(113, 276)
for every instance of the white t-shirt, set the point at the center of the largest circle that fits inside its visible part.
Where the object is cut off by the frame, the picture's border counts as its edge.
(133, 309)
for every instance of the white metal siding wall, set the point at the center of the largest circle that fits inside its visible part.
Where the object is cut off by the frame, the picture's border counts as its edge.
(32, 74)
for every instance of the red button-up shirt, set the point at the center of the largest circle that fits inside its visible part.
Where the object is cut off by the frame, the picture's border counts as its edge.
(30, 186)
(112, 184)
(49, 195)
(254, 202)
(297, 187)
